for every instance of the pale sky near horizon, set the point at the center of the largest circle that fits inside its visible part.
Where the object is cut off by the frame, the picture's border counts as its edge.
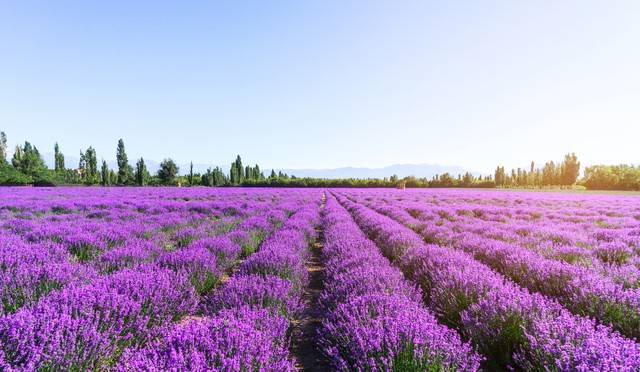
(322, 84)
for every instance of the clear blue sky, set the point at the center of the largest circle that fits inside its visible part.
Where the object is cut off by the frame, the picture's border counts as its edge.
(315, 84)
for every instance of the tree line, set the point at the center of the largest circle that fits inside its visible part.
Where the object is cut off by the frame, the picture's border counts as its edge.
(562, 174)
(27, 167)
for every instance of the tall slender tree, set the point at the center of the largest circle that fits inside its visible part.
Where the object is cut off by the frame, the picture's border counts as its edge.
(141, 175)
(500, 177)
(219, 178)
(237, 172)
(105, 178)
(207, 178)
(82, 166)
(89, 166)
(58, 158)
(124, 169)
(113, 177)
(191, 174)
(233, 174)
(3, 148)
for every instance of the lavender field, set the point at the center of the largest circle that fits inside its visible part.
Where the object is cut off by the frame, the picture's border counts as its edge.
(248, 279)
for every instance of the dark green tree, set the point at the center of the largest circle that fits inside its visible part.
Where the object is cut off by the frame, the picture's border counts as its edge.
(219, 178)
(168, 172)
(236, 174)
(58, 158)
(3, 148)
(89, 166)
(141, 174)
(191, 174)
(82, 166)
(214, 177)
(207, 178)
(16, 161)
(233, 174)
(124, 169)
(27, 160)
(273, 174)
(113, 177)
(105, 180)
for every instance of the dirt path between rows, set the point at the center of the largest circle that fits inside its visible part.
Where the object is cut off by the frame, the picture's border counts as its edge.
(304, 346)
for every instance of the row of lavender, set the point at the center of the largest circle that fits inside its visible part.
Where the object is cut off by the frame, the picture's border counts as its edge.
(201, 279)
(507, 324)
(64, 312)
(45, 250)
(603, 234)
(583, 290)
(599, 232)
(373, 318)
(245, 323)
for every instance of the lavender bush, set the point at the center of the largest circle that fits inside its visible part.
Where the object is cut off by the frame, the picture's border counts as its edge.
(217, 279)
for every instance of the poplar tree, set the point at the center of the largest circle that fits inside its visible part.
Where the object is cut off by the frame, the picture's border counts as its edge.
(124, 169)
(207, 178)
(219, 178)
(237, 172)
(105, 178)
(113, 177)
(233, 174)
(58, 158)
(89, 166)
(3, 148)
(141, 175)
(82, 166)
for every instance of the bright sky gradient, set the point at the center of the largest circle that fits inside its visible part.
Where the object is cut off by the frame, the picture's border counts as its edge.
(319, 84)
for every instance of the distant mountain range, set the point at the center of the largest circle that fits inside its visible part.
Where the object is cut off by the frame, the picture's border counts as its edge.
(152, 165)
(401, 170)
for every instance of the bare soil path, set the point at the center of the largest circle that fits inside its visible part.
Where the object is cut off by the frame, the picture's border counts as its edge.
(304, 346)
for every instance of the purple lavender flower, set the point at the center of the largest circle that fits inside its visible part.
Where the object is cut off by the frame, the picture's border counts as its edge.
(262, 292)
(86, 327)
(234, 340)
(383, 332)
